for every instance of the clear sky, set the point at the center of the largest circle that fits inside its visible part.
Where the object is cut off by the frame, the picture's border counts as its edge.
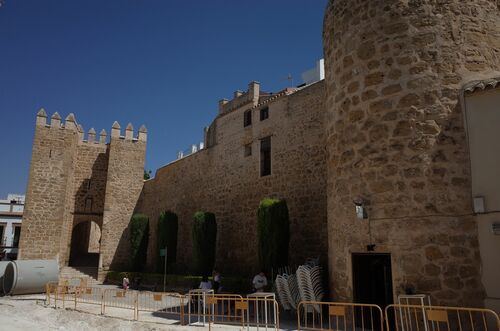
(162, 63)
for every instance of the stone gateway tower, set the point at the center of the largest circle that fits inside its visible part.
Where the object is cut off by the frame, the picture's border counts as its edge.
(81, 193)
(395, 72)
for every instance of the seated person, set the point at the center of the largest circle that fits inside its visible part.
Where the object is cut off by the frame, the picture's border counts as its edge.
(205, 284)
(260, 282)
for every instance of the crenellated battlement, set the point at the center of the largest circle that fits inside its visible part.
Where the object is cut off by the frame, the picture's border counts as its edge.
(91, 137)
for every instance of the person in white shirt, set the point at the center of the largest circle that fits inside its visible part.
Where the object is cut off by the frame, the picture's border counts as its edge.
(205, 283)
(260, 282)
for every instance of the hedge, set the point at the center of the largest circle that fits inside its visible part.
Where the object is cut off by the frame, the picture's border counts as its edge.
(273, 231)
(168, 225)
(139, 235)
(204, 235)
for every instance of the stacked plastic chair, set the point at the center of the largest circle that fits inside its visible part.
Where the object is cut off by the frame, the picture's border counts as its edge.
(281, 288)
(310, 284)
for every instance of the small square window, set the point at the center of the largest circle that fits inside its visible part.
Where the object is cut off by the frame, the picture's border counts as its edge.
(264, 113)
(248, 149)
(247, 118)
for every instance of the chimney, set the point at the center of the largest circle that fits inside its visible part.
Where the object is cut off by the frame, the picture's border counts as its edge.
(253, 92)
(222, 102)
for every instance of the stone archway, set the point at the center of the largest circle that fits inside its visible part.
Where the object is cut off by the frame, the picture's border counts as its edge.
(85, 244)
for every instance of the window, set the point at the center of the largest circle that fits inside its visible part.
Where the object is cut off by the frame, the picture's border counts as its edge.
(264, 113)
(88, 205)
(248, 149)
(17, 234)
(247, 118)
(265, 156)
(2, 239)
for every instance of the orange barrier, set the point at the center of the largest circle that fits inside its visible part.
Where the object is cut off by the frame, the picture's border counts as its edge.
(118, 298)
(197, 305)
(226, 309)
(315, 315)
(167, 304)
(244, 312)
(437, 318)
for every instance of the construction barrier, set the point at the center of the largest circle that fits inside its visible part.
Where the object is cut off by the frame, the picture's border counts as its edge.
(226, 309)
(197, 305)
(90, 295)
(262, 312)
(244, 312)
(118, 298)
(168, 305)
(315, 315)
(437, 318)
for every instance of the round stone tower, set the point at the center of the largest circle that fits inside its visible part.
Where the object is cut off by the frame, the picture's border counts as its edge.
(396, 138)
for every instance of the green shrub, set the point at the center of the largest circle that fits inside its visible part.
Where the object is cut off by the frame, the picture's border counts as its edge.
(139, 233)
(273, 231)
(204, 234)
(168, 225)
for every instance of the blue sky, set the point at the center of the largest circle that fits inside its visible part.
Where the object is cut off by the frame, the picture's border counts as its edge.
(164, 64)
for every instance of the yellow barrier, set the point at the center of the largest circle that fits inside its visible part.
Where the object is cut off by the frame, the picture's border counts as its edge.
(167, 304)
(118, 298)
(315, 315)
(226, 309)
(197, 305)
(233, 309)
(437, 318)
(90, 295)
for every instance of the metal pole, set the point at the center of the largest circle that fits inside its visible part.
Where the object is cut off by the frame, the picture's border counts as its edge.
(165, 270)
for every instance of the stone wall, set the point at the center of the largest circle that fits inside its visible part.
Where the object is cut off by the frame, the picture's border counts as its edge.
(70, 182)
(45, 218)
(125, 178)
(222, 180)
(394, 71)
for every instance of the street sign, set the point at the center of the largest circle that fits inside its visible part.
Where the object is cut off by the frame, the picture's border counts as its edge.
(162, 252)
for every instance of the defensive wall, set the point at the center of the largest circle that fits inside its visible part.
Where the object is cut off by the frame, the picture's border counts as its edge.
(225, 181)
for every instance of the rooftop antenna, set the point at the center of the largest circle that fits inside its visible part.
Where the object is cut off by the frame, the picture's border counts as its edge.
(290, 80)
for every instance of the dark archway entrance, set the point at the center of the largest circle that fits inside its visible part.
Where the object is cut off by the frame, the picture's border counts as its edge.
(85, 245)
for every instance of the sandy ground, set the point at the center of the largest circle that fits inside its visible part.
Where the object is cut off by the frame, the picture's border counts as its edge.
(29, 312)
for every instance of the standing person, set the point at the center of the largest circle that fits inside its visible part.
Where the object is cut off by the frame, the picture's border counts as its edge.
(260, 282)
(217, 279)
(205, 284)
(125, 282)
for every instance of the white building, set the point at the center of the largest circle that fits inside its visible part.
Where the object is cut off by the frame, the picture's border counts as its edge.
(11, 214)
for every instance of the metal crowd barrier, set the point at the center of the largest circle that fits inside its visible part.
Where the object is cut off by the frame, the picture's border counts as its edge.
(169, 305)
(263, 312)
(244, 312)
(315, 315)
(197, 305)
(118, 298)
(226, 309)
(438, 318)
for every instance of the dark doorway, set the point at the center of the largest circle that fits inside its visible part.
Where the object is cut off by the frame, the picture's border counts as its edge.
(85, 245)
(372, 283)
(372, 278)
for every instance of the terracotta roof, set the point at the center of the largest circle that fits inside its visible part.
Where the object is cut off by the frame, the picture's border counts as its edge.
(482, 84)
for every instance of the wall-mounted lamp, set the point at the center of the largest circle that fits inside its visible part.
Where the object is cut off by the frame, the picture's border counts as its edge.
(479, 205)
(360, 205)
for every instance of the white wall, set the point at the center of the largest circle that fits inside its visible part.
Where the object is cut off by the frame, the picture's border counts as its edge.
(483, 124)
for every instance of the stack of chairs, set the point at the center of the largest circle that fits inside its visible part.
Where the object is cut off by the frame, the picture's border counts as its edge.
(305, 285)
(310, 284)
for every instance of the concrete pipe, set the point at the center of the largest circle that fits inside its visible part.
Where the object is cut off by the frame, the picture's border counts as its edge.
(29, 276)
(3, 265)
